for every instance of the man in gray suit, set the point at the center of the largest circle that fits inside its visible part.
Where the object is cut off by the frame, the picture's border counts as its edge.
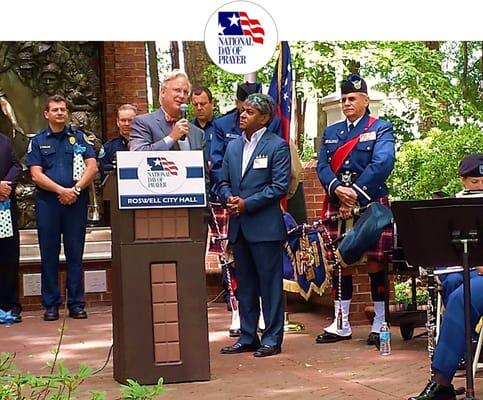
(166, 128)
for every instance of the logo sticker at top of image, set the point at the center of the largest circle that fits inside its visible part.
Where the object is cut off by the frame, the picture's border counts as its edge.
(241, 37)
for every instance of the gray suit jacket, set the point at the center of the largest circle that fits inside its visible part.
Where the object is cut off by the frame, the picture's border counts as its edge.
(149, 130)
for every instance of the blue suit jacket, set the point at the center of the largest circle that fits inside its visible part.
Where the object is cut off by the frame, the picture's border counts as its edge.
(372, 158)
(261, 188)
(227, 128)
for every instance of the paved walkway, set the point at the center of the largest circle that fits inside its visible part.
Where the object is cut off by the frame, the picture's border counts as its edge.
(304, 370)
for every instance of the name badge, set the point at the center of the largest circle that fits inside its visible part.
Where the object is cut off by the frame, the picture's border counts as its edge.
(231, 135)
(331, 141)
(45, 146)
(365, 137)
(260, 162)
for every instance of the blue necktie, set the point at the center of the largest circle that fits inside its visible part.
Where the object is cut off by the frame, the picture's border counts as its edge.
(351, 127)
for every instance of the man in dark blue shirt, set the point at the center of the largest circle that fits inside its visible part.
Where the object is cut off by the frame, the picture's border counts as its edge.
(202, 101)
(125, 117)
(62, 164)
(10, 170)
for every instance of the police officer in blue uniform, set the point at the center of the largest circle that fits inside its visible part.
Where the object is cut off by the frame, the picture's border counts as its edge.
(227, 128)
(125, 117)
(202, 101)
(62, 165)
(451, 342)
(472, 179)
(358, 180)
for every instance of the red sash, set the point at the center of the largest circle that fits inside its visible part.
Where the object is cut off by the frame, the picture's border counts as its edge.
(341, 154)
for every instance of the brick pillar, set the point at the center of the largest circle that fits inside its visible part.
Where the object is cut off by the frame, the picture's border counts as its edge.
(123, 80)
(314, 196)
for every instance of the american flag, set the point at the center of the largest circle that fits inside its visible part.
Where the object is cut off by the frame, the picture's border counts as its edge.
(169, 166)
(162, 164)
(238, 23)
(281, 88)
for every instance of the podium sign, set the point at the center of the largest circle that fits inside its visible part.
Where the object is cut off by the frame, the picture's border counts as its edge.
(159, 313)
(160, 179)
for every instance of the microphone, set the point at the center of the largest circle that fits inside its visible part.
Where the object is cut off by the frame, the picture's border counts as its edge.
(183, 108)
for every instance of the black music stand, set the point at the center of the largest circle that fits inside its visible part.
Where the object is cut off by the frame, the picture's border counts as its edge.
(442, 232)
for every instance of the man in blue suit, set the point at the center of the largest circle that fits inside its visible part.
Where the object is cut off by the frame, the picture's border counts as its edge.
(254, 177)
(227, 128)
(356, 158)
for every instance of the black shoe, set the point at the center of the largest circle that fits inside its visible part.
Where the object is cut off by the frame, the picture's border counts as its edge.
(461, 365)
(51, 313)
(77, 313)
(267, 351)
(373, 338)
(235, 332)
(17, 318)
(435, 391)
(327, 337)
(239, 348)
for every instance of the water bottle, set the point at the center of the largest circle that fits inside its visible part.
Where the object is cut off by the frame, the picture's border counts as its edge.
(385, 340)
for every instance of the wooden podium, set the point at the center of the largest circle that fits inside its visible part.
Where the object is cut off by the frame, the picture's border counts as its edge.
(160, 324)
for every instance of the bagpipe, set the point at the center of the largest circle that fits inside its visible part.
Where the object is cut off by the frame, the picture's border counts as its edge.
(219, 245)
(311, 253)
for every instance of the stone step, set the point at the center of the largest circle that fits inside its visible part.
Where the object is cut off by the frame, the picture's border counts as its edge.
(97, 245)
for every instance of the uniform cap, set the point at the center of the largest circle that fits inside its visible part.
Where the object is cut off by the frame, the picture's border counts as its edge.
(353, 84)
(245, 89)
(471, 165)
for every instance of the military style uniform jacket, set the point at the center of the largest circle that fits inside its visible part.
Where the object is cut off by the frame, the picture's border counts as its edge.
(369, 163)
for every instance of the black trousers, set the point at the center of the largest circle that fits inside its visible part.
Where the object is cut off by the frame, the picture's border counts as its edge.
(9, 282)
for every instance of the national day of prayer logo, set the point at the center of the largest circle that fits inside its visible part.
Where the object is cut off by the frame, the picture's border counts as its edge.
(241, 37)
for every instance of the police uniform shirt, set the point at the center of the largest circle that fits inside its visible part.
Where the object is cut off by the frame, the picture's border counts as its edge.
(54, 152)
(119, 143)
(209, 130)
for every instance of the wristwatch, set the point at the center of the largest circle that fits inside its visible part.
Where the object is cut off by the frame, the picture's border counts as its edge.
(77, 190)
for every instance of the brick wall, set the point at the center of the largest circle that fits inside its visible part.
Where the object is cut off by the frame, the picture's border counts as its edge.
(123, 80)
(30, 303)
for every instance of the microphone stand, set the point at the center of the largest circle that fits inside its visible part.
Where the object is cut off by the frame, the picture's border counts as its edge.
(460, 239)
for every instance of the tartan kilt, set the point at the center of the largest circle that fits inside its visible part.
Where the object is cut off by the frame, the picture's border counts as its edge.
(218, 223)
(385, 242)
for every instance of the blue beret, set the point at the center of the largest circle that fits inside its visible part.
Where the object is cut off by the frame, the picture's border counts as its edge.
(471, 165)
(353, 84)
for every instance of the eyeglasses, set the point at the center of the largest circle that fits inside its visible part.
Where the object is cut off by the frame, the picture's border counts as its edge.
(180, 91)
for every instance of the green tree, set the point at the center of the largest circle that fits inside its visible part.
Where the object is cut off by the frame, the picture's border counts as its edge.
(428, 165)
